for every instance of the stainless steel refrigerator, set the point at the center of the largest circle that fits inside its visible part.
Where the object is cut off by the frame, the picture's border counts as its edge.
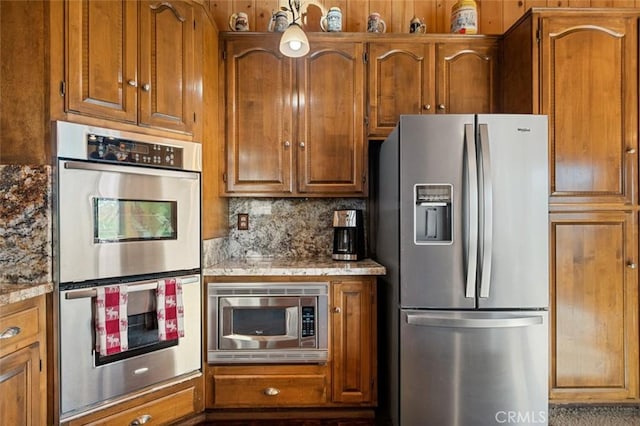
(462, 228)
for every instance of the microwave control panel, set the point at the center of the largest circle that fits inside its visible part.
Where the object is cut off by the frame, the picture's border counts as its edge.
(308, 321)
(116, 150)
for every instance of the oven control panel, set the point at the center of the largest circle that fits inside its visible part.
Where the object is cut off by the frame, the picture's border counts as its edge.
(109, 149)
(308, 321)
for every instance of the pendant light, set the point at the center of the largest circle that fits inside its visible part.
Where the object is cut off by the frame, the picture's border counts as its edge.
(294, 42)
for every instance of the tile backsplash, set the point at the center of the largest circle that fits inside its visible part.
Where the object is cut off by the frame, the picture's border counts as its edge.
(280, 227)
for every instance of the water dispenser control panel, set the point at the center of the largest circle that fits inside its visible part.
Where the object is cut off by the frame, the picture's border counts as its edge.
(432, 213)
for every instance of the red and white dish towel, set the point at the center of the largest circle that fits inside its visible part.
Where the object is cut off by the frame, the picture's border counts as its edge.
(111, 324)
(170, 309)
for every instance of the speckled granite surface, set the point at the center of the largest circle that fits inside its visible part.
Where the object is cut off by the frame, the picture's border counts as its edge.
(12, 293)
(293, 267)
(25, 225)
(290, 228)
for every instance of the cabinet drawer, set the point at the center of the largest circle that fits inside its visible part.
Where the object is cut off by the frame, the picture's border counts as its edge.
(20, 328)
(269, 390)
(160, 411)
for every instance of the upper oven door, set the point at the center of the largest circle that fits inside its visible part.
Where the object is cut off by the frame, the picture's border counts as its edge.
(119, 221)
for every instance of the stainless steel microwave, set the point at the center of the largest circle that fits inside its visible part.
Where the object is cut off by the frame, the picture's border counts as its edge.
(267, 322)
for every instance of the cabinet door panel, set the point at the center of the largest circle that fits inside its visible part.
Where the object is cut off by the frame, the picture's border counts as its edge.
(467, 77)
(353, 341)
(330, 116)
(401, 81)
(259, 117)
(166, 85)
(589, 90)
(594, 306)
(102, 57)
(20, 387)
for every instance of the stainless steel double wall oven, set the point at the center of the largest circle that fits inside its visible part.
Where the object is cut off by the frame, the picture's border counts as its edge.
(127, 215)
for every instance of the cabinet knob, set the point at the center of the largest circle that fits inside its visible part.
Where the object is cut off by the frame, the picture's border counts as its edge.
(631, 151)
(287, 144)
(426, 107)
(140, 420)
(271, 391)
(441, 107)
(10, 332)
(302, 144)
(132, 83)
(631, 265)
(337, 310)
(146, 87)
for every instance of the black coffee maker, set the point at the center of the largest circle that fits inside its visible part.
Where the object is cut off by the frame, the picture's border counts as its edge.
(348, 235)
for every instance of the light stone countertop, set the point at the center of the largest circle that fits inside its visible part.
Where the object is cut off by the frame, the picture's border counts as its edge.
(12, 293)
(293, 267)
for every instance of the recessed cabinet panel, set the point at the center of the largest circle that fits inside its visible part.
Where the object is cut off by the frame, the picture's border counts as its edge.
(589, 88)
(259, 90)
(401, 81)
(166, 65)
(330, 124)
(594, 306)
(102, 58)
(467, 77)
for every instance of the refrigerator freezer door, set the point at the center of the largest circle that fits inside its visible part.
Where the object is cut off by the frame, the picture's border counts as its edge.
(473, 368)
(433, 156)
(514, 224)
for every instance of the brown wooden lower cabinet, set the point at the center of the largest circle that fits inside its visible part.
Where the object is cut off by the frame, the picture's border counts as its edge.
(23, 363)
(163, 406)
(594, 307)
(347, 380)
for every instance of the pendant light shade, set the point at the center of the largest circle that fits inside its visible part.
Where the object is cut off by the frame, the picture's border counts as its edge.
(294, 42)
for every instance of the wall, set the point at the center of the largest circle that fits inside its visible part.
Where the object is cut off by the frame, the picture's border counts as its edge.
(494, 16)
(280, 227)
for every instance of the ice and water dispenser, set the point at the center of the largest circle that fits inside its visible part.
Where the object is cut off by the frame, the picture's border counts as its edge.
(432, 213)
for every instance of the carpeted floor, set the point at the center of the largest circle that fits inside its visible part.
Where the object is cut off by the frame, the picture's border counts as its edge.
(595, 416)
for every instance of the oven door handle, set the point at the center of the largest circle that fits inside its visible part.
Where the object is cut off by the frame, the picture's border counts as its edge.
(135, 170)
(149, 285)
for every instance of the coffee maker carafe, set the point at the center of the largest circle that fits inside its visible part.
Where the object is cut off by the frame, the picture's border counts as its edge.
(348, 235)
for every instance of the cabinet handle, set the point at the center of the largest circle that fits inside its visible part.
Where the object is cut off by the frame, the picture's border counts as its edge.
(271, 391)
(631, 265)
(337, 310)
(441, 107)
(302, 144)
(631, 151)
(10, 332)
(426, 107)
(287, 144)
(140, 420)
(146, 87)
(132, 83)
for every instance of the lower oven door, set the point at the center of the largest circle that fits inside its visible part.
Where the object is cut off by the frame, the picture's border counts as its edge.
(88, 380)
(125, 220)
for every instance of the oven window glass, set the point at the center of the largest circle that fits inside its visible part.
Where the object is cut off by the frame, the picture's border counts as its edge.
(260, 322)
(142, 330)
(118, 220)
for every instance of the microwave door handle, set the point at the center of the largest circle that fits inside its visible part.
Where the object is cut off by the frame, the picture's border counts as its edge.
(487, 201)
(472, 255)
(133, 170)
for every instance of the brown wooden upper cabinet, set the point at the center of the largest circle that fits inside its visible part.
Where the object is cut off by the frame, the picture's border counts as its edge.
(430, 75)
(132, 62)
(294, 127)
(581, 69)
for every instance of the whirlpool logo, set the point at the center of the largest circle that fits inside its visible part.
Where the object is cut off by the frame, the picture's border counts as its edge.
(521, 417)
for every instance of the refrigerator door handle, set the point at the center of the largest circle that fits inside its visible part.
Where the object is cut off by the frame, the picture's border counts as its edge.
(472, 255)
(487, 212)
(430, 320)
